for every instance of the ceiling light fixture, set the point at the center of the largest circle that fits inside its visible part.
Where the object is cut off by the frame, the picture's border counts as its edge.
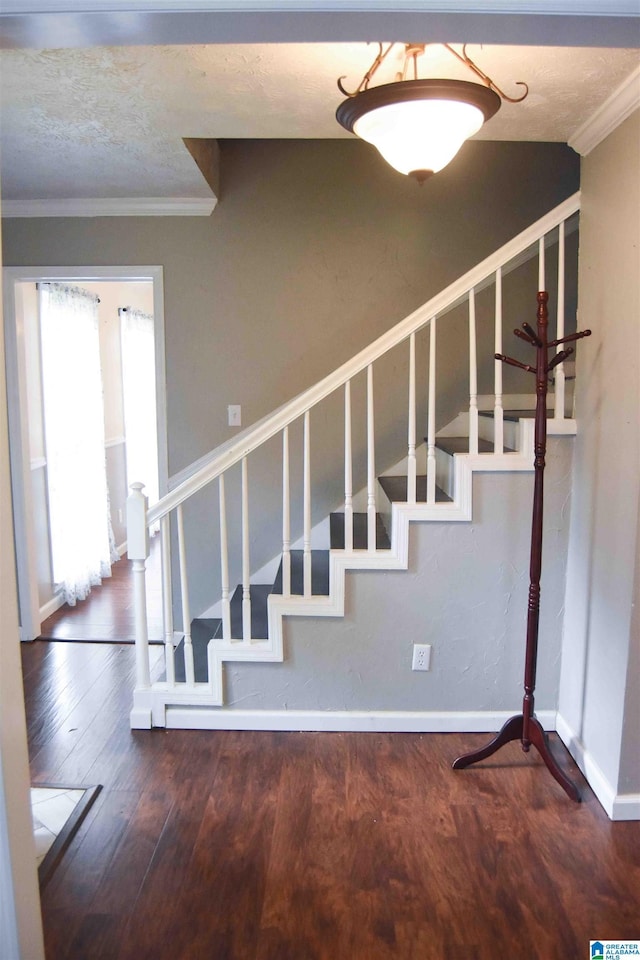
(419, 125)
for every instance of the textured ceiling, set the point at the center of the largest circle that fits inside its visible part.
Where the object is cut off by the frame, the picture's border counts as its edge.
(109, 121)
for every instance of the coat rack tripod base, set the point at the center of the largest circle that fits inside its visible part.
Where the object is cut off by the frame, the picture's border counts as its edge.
(513, 729)
(524, 726)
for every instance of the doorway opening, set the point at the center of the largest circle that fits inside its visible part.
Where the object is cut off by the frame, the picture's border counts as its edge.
(131, 334)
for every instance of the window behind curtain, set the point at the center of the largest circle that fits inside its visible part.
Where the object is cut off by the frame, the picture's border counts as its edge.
(81, 545)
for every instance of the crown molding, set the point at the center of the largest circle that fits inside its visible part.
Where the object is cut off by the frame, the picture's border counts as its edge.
(552, 7)
(112, 207)
(614, 111)
(43, 24)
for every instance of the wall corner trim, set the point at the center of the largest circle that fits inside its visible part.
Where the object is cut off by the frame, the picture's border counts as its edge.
(617, 806)
(614, 111)
(111, 207)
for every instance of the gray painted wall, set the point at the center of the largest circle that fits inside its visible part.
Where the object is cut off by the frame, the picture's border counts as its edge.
(465, 592)
(314, 250)
(600, 681)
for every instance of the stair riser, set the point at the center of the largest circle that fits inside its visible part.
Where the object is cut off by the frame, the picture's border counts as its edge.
(384, 508)
(360, 532)
(511, 431)
(445, 472)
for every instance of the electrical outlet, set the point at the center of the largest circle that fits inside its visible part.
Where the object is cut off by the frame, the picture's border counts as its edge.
(235, 415)
(421, 656)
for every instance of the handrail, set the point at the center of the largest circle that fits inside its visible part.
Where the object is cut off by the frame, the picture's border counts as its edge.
(240, 446)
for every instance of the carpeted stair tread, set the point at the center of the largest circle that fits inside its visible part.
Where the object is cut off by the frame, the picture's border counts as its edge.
(453, 445)
(360, 532)
(513, 415)
(396, 490)
(202, 630)
(319, 574)
(205, 628)
(259, 593)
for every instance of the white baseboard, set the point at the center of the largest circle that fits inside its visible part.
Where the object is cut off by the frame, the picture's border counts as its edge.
(626, 806)
(617, 806)
(50, 607)
(140, 719)
(374, 721)
(122, 549)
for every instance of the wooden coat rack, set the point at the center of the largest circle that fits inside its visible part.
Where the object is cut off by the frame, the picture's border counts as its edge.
(525, 726)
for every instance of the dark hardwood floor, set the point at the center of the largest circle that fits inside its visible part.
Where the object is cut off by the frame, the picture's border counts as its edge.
(302, 846)
(107, 615)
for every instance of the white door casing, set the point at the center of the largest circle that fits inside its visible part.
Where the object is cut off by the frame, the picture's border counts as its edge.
(25, 539)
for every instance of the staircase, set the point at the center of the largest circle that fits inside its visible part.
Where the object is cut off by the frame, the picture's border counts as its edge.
(433, 482)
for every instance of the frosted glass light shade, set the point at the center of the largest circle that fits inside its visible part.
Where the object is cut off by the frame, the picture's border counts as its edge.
(419, 125)
(419, 134)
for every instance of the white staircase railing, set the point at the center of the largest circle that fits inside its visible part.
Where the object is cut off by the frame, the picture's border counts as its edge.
(539, 237)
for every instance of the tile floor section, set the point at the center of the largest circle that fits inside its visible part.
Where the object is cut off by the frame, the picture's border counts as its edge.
(51, 807)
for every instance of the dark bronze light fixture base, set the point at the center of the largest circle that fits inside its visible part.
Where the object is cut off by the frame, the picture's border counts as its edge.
(421, 175)
(394, 117)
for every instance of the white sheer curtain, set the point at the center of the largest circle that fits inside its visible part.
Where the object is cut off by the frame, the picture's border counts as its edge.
(81, 546)
(139, 391)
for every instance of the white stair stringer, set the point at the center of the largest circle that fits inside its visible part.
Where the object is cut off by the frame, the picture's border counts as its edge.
(150, 703)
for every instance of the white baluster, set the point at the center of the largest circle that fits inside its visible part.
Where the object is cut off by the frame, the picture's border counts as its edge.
(286, 517)
(246, 564)
(371, 464)
(559, 370)
(498, 412)
(348, 470)
(184, 592)
(431, 416)
(138, 551)
(411, 461)
(167, 599)
(473, 376)
(541, 277)
(306, 535)
(224, 562)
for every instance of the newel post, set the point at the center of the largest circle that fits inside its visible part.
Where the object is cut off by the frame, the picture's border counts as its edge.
(138, 551)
